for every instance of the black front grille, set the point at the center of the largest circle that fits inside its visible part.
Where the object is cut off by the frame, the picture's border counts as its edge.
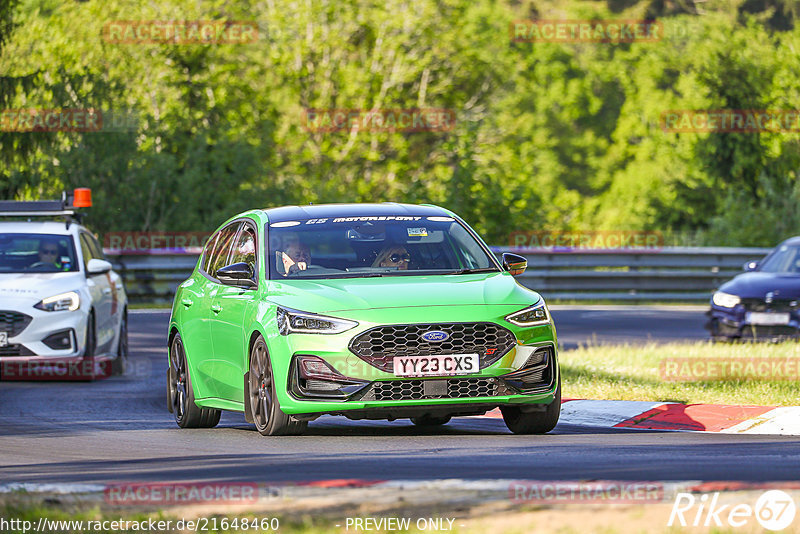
(452, 388)
(13, 322)
(380, 345)
(15, 350)
(780, 306)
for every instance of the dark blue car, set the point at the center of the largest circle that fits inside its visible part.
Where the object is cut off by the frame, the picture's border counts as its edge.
(762, 302)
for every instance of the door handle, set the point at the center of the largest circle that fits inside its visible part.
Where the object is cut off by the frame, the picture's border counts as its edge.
(187, 302)
(106, 290)
(216, 308)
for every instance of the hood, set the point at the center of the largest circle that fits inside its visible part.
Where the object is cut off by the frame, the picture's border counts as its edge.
(757, 285)
(36, 286)
(325, 296)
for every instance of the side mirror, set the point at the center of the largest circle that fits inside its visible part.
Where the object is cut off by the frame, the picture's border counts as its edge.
(96, 266)
(237, 274)
(750, 266)
(514, 263)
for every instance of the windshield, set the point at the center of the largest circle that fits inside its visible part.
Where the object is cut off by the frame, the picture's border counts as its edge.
(785, 259)
(37, 253)
(373, 246)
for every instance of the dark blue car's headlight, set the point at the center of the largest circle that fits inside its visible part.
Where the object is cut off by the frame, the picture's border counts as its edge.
(725, 300)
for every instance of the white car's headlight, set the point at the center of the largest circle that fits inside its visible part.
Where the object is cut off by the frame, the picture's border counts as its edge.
(297, 322)
(532, 316)
(70, 301)
(725, 300)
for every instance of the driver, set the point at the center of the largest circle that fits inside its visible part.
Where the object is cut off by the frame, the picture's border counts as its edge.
(393, 256)
(296, 257)
(48, 255)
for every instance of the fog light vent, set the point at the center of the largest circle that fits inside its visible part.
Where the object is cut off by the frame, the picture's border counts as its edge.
(61, 340)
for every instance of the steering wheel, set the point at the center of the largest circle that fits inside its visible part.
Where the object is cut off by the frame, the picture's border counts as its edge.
(42, 266)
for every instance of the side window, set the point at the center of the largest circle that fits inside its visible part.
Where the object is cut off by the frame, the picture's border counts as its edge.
(86, 249)
(97, 250)
(245, 248)
(208, 252)
(223, 249)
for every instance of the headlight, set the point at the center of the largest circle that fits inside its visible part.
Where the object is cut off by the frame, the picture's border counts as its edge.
(65, 301)
(297, 322)
(532, 316)
(725, 300)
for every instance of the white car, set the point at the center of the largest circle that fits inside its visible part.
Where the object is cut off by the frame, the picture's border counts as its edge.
(63, 309)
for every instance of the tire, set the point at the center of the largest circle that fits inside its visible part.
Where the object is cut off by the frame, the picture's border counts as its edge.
(120, 364)
(181, 394)
(520, 422)
(430, 420)
(268, 417)
(89, 348)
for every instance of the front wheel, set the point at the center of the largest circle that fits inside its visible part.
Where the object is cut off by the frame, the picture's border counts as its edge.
(520, 422)
(268, 417)
(120, 364)
(180, 393)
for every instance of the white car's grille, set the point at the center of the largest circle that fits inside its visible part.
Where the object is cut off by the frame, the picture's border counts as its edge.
(13, 322)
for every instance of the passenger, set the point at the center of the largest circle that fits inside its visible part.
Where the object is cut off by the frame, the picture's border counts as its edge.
(393, 256)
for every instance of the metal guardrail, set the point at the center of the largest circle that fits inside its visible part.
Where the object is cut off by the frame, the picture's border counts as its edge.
(674, 273)
(678, 273)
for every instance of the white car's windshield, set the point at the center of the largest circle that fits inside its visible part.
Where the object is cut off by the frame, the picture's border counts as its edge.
(373, 246)
(37, 253)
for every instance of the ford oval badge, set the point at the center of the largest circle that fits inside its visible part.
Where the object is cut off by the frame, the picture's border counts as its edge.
(435, 336)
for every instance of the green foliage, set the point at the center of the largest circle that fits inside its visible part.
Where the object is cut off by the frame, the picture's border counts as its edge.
(548, 135)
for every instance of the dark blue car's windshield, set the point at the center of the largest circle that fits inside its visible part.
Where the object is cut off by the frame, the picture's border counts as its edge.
(785, 259)
(373, 246)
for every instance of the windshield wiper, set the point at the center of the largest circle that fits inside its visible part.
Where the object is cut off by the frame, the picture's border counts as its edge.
(356, 275)
(472, 271)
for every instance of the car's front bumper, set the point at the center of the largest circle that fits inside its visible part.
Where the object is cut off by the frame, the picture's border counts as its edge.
(736, 323)
(30, 352)
(368, 392)
(33, 340)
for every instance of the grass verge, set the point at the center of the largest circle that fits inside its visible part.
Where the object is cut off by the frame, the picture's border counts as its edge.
(741, 373)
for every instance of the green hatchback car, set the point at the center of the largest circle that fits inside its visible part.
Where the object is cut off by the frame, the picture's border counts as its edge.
(370, 311)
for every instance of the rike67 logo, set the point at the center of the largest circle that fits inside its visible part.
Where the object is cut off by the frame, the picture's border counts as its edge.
(774, 510)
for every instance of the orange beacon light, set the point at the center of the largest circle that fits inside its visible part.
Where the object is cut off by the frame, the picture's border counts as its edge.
(82, 197)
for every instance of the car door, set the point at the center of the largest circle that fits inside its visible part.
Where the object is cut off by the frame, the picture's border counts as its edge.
(198, 318)
(111, 298)
(230, 306)
(101, 292)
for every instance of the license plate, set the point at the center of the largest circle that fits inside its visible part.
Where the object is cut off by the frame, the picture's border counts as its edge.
(3, 339)
(762, 318)
(436, 365)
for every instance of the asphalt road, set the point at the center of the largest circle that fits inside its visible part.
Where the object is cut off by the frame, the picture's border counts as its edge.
(628, 324)
(118, 430)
